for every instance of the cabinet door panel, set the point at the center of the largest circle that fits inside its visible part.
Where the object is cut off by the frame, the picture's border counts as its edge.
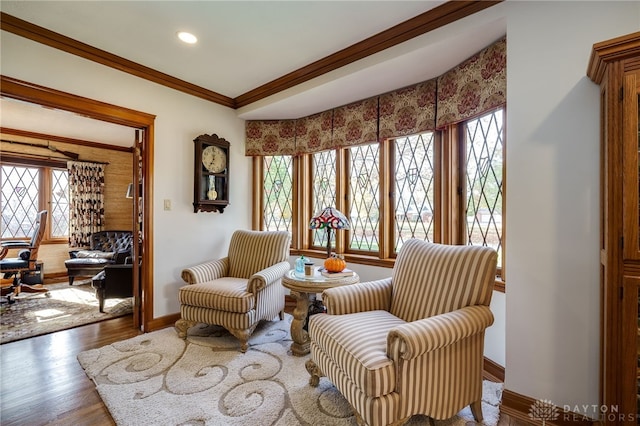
(631, 160)
(630, 348)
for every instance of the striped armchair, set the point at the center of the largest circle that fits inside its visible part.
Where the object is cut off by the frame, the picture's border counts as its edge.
(409, 344)
(237, 291)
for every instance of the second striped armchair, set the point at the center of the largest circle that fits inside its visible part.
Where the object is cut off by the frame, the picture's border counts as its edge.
(413, 343)
(239, 290)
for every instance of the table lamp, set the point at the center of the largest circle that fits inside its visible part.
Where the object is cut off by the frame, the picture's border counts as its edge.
(329, 218)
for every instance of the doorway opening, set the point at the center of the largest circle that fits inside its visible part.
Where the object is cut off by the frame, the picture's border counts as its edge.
(143, 181)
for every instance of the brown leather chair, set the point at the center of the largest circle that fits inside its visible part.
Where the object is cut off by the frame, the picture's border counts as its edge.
(113, 282)
(106, 247)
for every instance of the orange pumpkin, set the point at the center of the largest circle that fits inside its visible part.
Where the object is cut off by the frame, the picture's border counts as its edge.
(335, 264)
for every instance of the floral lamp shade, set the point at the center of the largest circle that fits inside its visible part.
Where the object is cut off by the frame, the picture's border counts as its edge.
(329, 218)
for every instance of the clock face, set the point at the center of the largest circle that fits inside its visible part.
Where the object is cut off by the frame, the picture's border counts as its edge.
(214, 159)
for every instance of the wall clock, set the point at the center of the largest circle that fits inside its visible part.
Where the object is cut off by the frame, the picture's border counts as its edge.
(211, 174)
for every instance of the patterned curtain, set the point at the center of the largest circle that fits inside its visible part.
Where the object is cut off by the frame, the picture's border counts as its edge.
(474, 87)
(313, 133)
(408, 111)
(86, 201)
(273, 137)
(355, 124)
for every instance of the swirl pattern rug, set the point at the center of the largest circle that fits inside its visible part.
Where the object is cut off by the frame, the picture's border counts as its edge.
(159, 379)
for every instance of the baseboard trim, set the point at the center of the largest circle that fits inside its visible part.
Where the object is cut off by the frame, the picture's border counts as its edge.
(517, 406)
(493, 371)
(162, 322)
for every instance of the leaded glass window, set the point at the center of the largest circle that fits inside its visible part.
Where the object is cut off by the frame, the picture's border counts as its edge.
(278, 193)
(414, 188)
(484, 191)
(364, 203)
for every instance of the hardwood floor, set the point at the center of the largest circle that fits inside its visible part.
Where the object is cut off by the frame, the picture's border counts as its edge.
(42, 382)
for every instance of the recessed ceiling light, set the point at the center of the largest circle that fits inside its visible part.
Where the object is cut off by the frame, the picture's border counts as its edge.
(187, 37)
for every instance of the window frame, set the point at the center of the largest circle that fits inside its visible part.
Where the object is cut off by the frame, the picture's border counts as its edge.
(449, 194)
(46, 168)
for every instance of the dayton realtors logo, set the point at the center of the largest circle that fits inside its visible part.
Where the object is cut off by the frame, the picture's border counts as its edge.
(544, 410)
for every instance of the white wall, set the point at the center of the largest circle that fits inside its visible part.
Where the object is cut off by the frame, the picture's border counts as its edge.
(547, 324)
(181, 237)
(552, 237)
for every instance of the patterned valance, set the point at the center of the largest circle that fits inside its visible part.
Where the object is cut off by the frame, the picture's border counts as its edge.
(474, 87)
(408, 111)
(356, 123)
(273, 137)
(313, 133)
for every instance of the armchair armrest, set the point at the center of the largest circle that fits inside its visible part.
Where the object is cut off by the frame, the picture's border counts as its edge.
(206, 271)
(361, 297)
(267, 276)
(415, 338)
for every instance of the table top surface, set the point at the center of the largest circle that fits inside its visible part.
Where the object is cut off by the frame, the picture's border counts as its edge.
(316, 283)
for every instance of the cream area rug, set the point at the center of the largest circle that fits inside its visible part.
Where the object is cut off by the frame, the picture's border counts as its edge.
(159, 379)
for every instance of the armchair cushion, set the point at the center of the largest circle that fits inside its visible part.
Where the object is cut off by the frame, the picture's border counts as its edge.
(227, 294)
(358, 343)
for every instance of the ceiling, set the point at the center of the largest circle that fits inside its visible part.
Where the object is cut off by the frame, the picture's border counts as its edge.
(243, 45)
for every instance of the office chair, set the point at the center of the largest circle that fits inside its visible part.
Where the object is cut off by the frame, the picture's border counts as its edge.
(26, 262)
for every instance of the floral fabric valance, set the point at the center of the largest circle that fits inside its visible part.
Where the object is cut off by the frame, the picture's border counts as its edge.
(273, 137)
(474, 87)
(477, 85)
(313, 133)
(355, 124)
(408, 111)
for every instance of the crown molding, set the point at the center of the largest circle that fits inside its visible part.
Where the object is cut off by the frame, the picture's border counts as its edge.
(66, 44)
(437, 17)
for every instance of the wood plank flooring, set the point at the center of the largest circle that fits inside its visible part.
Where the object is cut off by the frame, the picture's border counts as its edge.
(42, 382)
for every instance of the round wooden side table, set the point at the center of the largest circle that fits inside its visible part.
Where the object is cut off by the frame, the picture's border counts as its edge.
(301, 288)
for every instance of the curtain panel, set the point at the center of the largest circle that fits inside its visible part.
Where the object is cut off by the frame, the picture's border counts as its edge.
(408, 111)
(272, 137)
(474, 87)
(313, 133)
(86, 201)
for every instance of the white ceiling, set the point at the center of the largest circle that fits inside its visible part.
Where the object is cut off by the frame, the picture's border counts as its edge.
(245, 44)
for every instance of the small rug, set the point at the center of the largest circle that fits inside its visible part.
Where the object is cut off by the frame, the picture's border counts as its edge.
(159, 379)
(65, 306)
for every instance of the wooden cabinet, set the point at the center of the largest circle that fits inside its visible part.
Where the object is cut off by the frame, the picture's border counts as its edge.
(615, 66)
(210, 174)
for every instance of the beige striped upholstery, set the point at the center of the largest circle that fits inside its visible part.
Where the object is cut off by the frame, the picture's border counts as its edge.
(237, 291)
(412, 343)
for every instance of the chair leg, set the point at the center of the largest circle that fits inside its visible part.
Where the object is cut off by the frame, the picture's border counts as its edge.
(476, 410)
(314, 371)
(243, 336)
(100, 295)
(182, 326)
